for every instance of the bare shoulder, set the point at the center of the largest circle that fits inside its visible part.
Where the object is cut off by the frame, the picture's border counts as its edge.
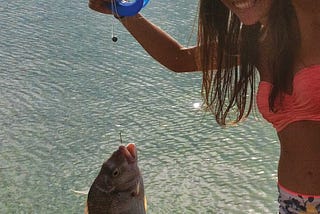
(311, 7)
(307, 10)
(308, 13)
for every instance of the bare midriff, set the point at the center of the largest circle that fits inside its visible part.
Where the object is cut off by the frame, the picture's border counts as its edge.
(299, 161)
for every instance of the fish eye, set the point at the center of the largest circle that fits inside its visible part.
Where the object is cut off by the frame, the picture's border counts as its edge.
(116, 172)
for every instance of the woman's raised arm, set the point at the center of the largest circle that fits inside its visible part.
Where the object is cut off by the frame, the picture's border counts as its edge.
(160, 45)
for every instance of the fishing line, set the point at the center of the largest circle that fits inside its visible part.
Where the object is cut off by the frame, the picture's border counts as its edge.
(120, 9)
(113, 37)
(120, 137)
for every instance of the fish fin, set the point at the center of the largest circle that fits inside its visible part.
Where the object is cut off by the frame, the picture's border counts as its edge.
(81, 192)
(138, 188)
(145, 203)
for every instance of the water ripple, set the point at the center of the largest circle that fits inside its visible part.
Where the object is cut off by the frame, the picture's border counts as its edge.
(67, 91)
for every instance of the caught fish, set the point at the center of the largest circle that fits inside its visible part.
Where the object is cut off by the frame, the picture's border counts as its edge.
(118, 188)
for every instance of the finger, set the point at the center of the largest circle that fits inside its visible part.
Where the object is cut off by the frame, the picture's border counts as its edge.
(99, 5)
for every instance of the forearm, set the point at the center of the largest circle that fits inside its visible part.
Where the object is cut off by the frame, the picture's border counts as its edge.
(161, 46)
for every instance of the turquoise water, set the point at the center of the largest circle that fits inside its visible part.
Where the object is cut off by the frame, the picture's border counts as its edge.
(67, 91)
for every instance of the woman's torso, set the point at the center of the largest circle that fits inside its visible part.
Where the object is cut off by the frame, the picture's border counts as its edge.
(299, 168)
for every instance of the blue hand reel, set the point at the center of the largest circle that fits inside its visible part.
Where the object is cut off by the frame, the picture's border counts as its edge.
(127, 7)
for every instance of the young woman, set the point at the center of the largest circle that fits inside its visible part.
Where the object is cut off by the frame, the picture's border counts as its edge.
(237, 38)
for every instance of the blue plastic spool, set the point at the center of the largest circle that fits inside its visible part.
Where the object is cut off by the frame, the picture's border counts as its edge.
(127, 7)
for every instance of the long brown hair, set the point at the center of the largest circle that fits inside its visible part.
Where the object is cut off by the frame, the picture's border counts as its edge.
(234, 48)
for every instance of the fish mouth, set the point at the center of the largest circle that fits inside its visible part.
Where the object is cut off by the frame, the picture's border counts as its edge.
(129, 152)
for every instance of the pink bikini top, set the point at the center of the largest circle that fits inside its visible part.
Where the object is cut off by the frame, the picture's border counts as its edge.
(302, 104)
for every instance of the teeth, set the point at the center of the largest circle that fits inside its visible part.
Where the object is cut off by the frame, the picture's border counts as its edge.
(244, 4)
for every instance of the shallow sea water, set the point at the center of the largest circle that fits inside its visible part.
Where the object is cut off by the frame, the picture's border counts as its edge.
(67, 91)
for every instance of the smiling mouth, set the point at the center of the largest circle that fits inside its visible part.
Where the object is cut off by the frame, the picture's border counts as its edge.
(244, 4)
